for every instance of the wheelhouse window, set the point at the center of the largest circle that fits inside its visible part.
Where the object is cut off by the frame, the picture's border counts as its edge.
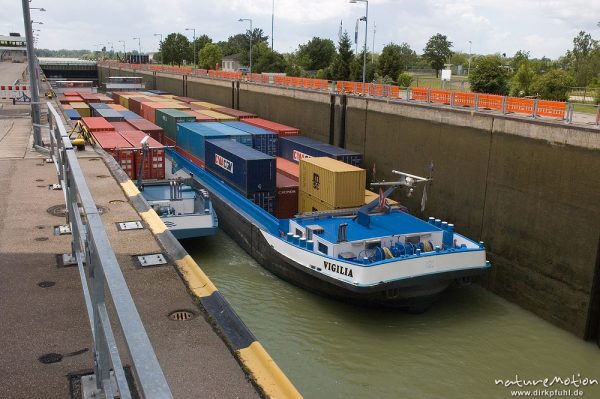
(323, 248)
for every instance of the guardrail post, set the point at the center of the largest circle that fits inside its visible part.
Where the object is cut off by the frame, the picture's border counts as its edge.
(535, 108)
(429, 95)
(476, 101)
(452, 99)
(504, 100)
(408, 89)
(598, 115)
(569, 117)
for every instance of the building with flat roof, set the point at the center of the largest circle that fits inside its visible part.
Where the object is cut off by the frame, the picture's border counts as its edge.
(13, 48)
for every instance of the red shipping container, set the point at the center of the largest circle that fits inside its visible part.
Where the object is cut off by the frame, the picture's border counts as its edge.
(154, 131)
(97, 124)
(286, 197)
(119, 148)
(71, 93)
(288, 169)
(185, 99)
(90, 97)
(235, 113)
(148, 109)
(197, 107)
(116, 95)
(123, 127)
(104, 98)
(135, 104)
(200, 117)
(154, 164)
(281, 130)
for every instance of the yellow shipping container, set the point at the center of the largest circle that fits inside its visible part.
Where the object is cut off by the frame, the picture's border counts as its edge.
(308, 203)
(370, 196)
(334, 182)
(207, 105)
(216, 115)
(124, 100)
(176, 105)
(82, 108)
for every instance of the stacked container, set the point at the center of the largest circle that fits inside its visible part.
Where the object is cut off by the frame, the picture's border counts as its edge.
(191, 140)
(97, 124)
(281, 130)
(94, 107)
(134, 103)
(298, 147)
(250, 172)
(168, 120)
(288, 169)
(231, 132)
(235, 113)
(331, 183)
(148, 109)
(109, 114)
(286, 197)
(156, 132)
(82, 108)
(200, 117)
(154, 164)
(127, 115)
(262, 140)
(216, 115)
(123, 152)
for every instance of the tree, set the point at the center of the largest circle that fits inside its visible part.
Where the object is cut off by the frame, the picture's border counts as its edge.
(210, 56)
(175, 48)
(552, 85)
(265, 60)
(519, 59)
(583, 48)
(340, 68)
(437, 51)
(521, 81)
(316, 54)
(395, 59)
(356, 67)
(489, 75)
(404, 79)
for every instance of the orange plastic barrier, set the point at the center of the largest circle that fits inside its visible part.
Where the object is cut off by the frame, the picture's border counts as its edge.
(555, 109)
(394, 92)
(520, 105)
(490, 101)
(464, 99)
(439, 96)
(419, 94)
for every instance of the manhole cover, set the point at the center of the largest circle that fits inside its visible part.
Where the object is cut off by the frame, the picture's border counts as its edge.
(102, 176)
(116, 202)
(50, 358)
(61, 210)
(46, 284)
(41, 238)
(181, 315)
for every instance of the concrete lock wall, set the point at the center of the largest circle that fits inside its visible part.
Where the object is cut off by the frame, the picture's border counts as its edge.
(529, 189)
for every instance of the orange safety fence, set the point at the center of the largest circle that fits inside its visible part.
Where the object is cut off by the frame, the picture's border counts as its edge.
(490, 101)
(520, 105)
(464, 99)
(555, 109)
(419, 94)
(439, 96)
(395, 91)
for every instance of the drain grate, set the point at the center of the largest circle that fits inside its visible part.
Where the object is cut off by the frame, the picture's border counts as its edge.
(50, 358)
(181, 315)
(63, 229)
(130, 225)
(46, 284)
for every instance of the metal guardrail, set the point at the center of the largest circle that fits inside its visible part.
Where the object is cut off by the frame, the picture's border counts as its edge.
(92, 252)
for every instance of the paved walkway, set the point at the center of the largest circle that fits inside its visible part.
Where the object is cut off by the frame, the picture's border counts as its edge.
(37, 321)
(11, 72)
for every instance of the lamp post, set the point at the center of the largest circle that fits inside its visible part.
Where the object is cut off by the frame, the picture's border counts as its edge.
(160, 42)
(139, 49)
(366, 33)
(194, 38)
(470, 56)
(249, 20)
(273, 21)
(124, 51)
(31, 65)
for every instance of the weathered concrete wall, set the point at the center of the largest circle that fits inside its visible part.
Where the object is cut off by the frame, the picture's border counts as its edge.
(529, 189)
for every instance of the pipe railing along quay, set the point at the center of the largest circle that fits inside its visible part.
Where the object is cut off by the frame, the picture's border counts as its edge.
(534, 108)
(97, 263)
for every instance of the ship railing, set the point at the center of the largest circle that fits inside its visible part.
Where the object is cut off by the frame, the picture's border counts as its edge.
(102, 280)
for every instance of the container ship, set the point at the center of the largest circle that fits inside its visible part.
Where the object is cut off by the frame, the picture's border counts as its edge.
(300, 207)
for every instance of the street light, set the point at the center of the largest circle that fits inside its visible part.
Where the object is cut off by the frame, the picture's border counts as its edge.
(139, 49)
(194, 38)
(470, 56)
(36, 8)
(35, 22)
(273, 22)
(160, 43)
(124, 52)
(366, 33)
(249, 20)
(31, 65)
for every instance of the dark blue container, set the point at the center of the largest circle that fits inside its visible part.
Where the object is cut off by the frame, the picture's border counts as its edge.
(130, 115)
(191, 137)
(264, 199)
(94, 107)
(72, 114)
(294, 148)
(110, 114)
(248, 170)
(262, 140)
(231, 132)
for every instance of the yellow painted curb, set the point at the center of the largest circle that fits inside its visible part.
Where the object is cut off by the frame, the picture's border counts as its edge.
(130, 188)
(266, 373)
(196, 280)
(157, 226)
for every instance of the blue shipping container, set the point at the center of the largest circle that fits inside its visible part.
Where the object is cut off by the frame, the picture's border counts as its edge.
(191, 137)
(72, 114)
(294, 148)
(233, 133)
(130, 115)
(262, 140)
(248, 170)
(264, 199)
(110, 115)
(94, 107)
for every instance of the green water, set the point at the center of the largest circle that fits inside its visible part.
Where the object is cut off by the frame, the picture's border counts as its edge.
(455, 350)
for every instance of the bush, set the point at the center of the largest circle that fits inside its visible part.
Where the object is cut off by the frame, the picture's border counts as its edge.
(552, 85)
(489, 76)
(404, 79)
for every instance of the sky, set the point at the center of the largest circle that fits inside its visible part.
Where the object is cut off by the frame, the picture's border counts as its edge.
(544, 28)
